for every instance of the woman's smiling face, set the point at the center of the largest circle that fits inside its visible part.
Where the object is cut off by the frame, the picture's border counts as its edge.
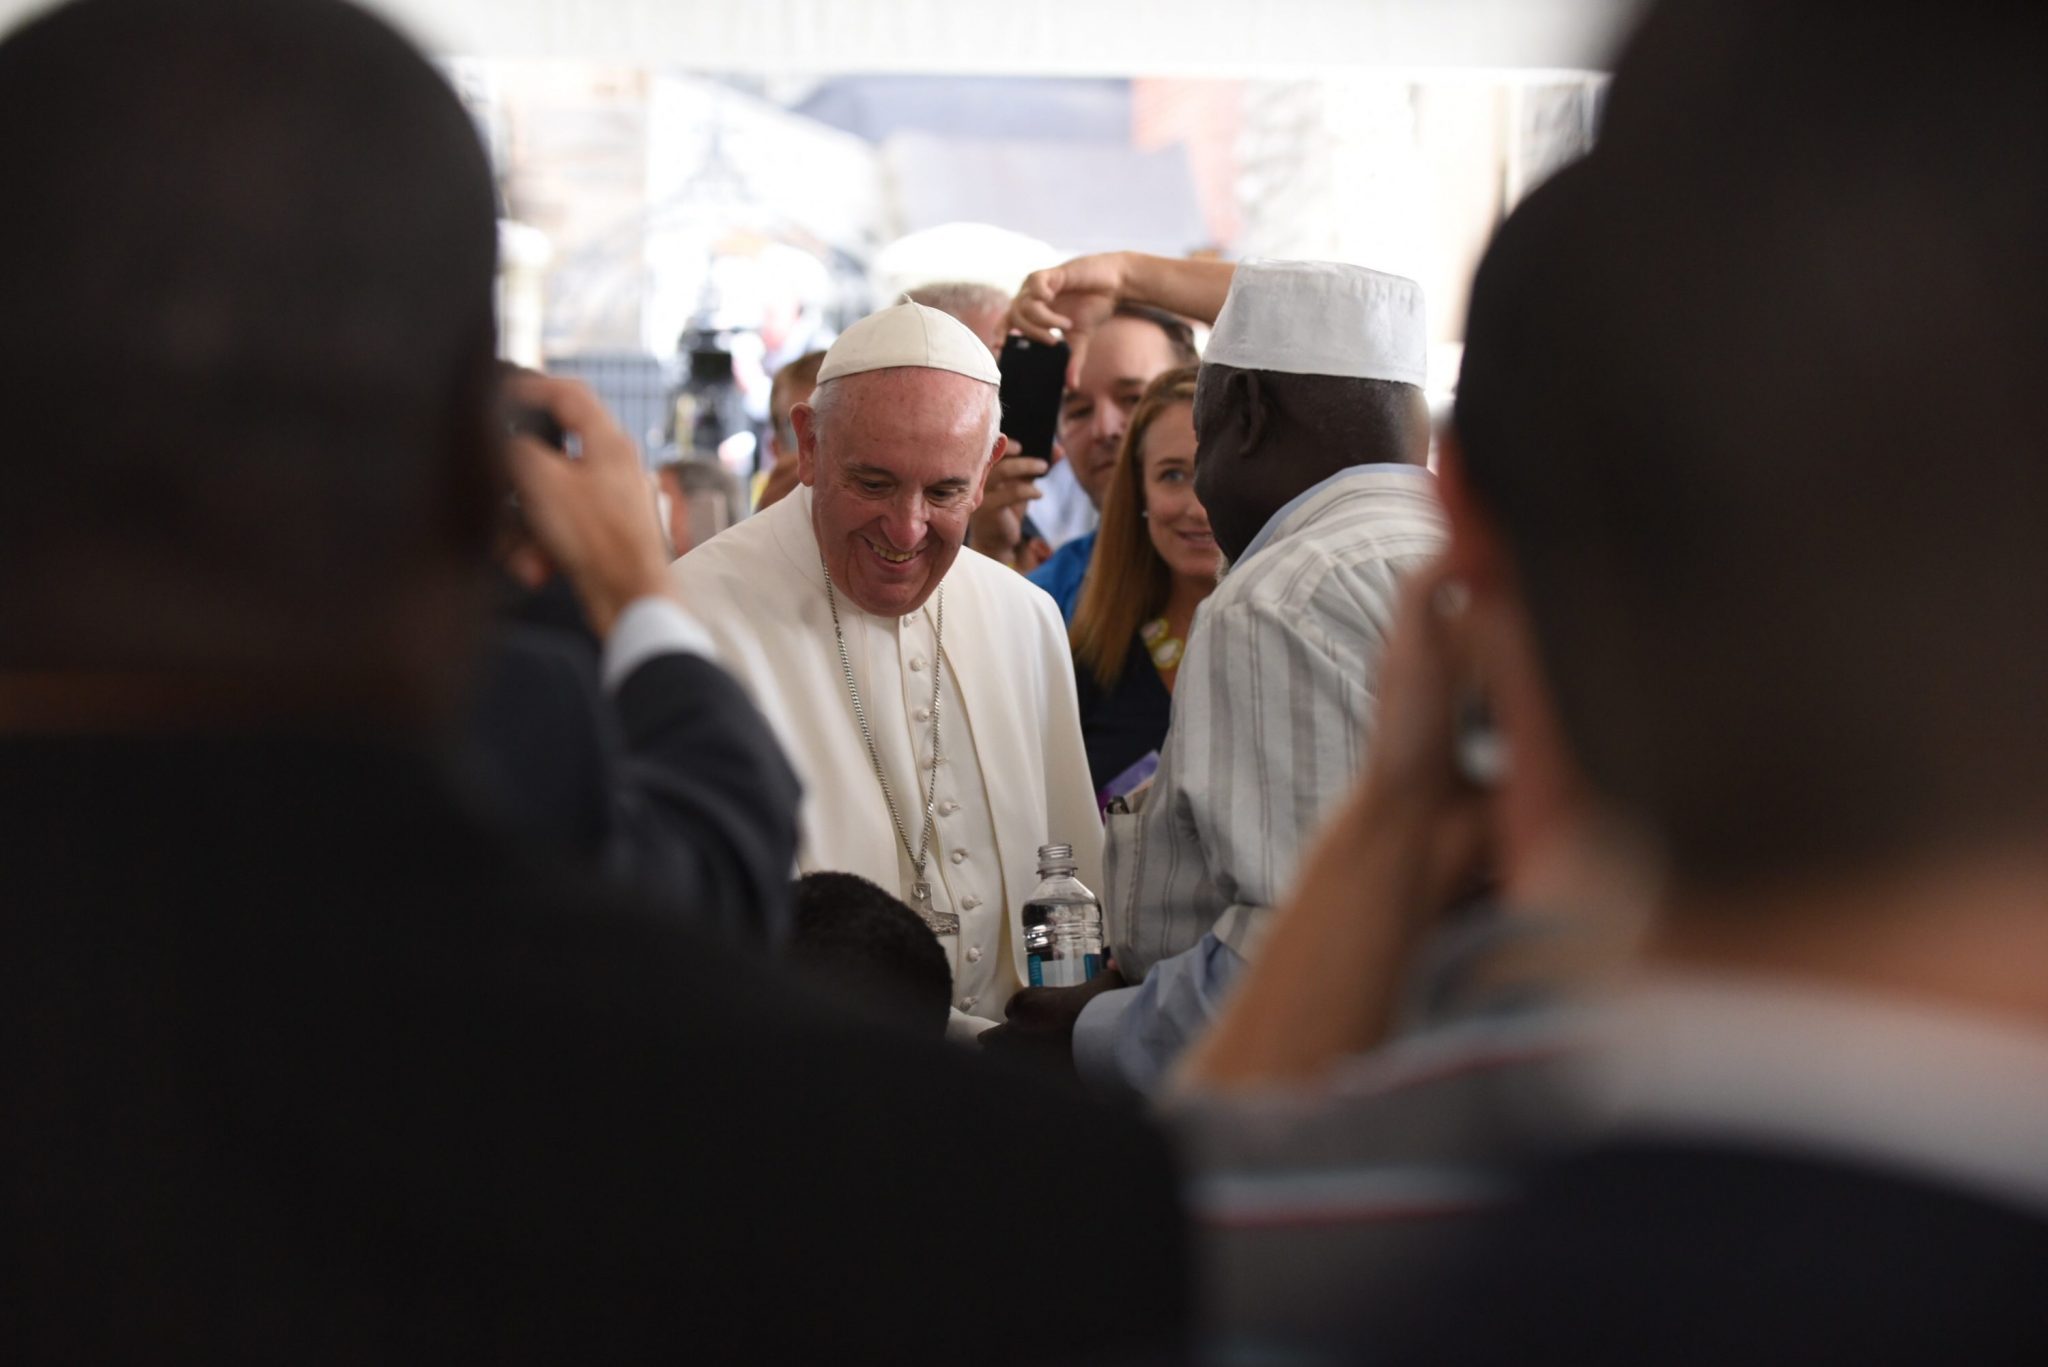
(1176, 521)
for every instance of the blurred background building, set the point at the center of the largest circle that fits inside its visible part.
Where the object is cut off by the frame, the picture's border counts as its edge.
(695, 193)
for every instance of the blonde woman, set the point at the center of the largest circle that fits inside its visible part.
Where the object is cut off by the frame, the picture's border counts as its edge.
(1155, 561)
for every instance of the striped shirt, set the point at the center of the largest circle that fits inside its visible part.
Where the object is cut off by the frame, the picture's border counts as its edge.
(1320, 1206)
(1272, 711)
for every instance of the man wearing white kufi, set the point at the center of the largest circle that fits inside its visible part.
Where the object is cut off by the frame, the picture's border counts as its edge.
(924, 693)
(1311, 438)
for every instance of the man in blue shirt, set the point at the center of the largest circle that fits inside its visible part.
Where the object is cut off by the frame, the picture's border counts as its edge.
(1123, 355)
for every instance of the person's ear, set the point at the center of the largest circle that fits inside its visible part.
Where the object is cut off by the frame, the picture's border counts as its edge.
(1477, 556)
(1239, 416)
(1542, 787)
(1255, 405)
(805, 421)
(1004, 446)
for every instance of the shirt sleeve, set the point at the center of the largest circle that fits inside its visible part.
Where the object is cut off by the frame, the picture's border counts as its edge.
(651, 626)
(1130, 1037)
(1269, 724)
(962, 1028)
(1272, 720)
(1286, 744)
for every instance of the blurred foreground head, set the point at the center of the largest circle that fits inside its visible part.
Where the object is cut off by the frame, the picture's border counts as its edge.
(1752, 398)
(868, 951)
(246, 268)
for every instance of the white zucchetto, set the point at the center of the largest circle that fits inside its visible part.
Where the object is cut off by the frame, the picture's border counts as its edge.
(910, 335)
(1322, 318)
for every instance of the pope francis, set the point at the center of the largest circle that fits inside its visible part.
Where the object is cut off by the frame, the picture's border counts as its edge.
(923, 692)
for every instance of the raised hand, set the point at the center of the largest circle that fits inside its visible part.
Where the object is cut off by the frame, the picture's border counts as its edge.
(1069, 301)
(594, 516)
(997, 527)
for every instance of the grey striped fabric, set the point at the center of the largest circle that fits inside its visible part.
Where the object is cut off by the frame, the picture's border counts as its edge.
(1272, 711)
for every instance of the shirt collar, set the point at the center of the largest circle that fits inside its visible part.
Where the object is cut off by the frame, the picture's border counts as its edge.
(790, 523)
(1950, 1097)
(1295, 504)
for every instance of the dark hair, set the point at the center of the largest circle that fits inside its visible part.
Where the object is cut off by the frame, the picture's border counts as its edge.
(1753, 394)
(249, 250)
(1180, 336)
(870, 951)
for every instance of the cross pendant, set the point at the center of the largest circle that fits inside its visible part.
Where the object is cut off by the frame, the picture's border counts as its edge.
(941, 922)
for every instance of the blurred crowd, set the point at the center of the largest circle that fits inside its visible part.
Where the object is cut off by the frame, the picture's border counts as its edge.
(1130, 844)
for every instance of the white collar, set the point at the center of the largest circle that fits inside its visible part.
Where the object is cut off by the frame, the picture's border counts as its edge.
(1956, 1098)
(1301, 500)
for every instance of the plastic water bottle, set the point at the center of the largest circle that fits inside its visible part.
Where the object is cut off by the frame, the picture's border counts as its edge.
(1062, 924)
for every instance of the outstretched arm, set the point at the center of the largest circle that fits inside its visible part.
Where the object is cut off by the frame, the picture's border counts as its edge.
(1073, 299)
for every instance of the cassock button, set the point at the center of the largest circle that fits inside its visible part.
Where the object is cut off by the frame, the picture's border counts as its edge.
(969, 903)
(967, 1003)
(959, 856)
(974, 954)
(923, 714)
(917, 664)
(911, 620)
(948, 807)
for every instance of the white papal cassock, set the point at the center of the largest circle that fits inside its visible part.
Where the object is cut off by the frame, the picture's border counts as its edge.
(1012, 773)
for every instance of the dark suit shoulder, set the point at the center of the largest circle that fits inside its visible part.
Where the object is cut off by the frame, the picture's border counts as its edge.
(657, 680)
(1674, 1252)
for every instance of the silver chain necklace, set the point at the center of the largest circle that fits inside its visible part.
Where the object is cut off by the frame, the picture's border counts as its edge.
(918, 860)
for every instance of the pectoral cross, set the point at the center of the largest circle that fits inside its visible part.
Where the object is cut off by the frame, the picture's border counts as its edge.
(941, 922)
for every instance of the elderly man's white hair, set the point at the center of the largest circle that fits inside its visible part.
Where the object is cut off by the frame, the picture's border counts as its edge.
(961, 299)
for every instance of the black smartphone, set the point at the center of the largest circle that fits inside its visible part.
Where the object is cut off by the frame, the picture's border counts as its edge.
(535, 422)
(1034, 375)
(522, 420)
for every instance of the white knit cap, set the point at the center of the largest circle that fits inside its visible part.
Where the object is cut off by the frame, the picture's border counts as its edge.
(1322, 318)
(910, 335)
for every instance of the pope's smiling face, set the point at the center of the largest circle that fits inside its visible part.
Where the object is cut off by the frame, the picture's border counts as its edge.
(896, 461)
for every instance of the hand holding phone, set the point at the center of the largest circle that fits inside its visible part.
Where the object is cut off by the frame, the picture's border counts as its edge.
(1034, 378)
(593, 516)
(1435, 756)
(524, 420)
(1069, 301)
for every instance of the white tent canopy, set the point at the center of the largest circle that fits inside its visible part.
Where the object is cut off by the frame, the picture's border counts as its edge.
(1041, 37)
